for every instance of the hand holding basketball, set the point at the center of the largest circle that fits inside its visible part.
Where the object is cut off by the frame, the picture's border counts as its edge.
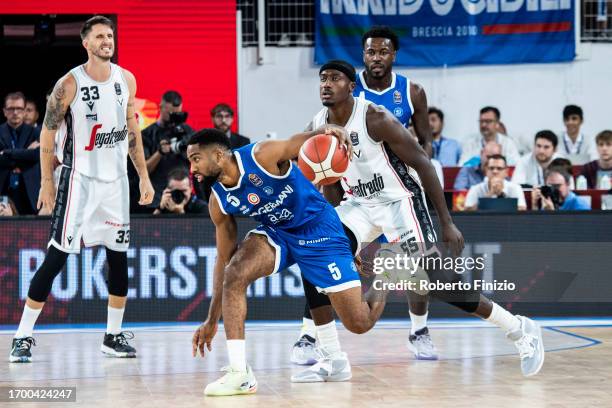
(323, 158)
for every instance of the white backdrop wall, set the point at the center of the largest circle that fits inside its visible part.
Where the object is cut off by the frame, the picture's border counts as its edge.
(281, 96)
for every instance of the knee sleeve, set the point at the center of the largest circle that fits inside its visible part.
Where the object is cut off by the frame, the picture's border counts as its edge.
(41, 283)
(117, 273)
(466, 300)
(313, 297)
(307, 314)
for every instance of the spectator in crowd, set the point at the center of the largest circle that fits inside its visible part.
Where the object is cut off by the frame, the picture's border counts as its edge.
(7, 207)
(595, 171)
(471, 175)
(495, 185)
(177, 197)
(489, 131)
(556, 194)
(574, 144)
(164, 145)
(222, 117)
(530, 169)
(566, 165)
(31, 114)
(19, 156)
(446, 151)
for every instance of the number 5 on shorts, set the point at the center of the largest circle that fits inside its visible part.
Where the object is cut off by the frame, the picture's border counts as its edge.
(335, 271)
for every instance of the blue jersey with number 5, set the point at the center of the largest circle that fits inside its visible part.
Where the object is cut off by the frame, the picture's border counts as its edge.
(283, 202)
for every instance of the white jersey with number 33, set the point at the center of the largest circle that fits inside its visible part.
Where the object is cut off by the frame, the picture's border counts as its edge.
(94, 136)
(376, 175)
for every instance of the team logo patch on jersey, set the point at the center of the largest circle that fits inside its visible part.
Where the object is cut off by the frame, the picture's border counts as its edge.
(398, 111)
(268, 190)
(255, 179)
(253, 198)
(354, 138)
(118, 88)
(397, 97)
(90, 105)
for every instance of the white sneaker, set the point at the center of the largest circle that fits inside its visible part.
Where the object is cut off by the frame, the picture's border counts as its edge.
(528, 341)
(329, 368)
(422, 346)
(233, 383)
(303, 352)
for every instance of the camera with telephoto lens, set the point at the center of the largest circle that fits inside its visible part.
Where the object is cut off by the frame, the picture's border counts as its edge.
(176, 136)
(177, 196)
(552, 192)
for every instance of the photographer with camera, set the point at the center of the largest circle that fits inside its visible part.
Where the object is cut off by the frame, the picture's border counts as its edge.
(556, 194)
(165, 142)
(177, 197)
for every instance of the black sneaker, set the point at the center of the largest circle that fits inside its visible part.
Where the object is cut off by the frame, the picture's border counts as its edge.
(20, 350)
(116, 345)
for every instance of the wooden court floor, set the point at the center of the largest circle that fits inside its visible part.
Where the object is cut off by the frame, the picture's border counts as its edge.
(478, 367)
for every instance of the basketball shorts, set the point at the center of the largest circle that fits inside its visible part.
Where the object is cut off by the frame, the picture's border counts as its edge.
(94, 210)
(321, 250)
(406, 222)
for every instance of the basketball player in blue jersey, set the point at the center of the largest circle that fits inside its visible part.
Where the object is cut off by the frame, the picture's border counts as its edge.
(406, 100)
(384, 187)
(297, 226)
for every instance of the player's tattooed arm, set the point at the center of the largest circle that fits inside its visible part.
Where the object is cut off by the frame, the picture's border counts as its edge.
(420, 117)
(59, 101)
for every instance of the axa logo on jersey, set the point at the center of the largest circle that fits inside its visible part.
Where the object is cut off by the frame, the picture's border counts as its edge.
(105, 139)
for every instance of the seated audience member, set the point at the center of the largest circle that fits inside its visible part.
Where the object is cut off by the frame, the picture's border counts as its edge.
(446, 151)
(471, 175)
(31, 114)
(530, 169)
(177, 197)
(489, 132)
(573, 144)
(566, 165)
(495, 185)
(164, 143)
(556, 193)
(19, 156)
(597, 169)
(7, 207)
(223, 117)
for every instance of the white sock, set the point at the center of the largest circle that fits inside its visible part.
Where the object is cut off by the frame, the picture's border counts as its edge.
(308, 327)
(114, 320)
(28, 319)
(236, 351)
(418, 322)
(504, 319)
(328, 337)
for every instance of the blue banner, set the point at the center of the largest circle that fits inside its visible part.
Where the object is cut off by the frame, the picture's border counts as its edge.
(450, 32)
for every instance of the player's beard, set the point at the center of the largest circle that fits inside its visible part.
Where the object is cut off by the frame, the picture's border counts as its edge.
(380, 75)
(104, 57)
(328, 104)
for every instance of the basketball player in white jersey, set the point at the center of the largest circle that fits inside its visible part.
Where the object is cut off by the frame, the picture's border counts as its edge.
(384, 186)
(407, 101)
(92, 109)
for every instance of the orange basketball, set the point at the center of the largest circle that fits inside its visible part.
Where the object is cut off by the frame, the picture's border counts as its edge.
(323, 160)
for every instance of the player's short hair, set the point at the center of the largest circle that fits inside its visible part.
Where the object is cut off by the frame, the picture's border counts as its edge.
(86, 29)
(491, 109)
(497, 157)
(436, 112)
(548, 135)
(221, 107)
(572, 110)
(207, 137)
(605, 136)
(173, 98)
(381, 32)
(559, 170)
(178, 174)
(15, 95)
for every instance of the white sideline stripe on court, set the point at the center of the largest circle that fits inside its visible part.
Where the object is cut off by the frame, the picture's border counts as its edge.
(387, 324)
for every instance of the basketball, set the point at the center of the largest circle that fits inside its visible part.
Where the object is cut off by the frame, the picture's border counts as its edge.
(323, 159)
